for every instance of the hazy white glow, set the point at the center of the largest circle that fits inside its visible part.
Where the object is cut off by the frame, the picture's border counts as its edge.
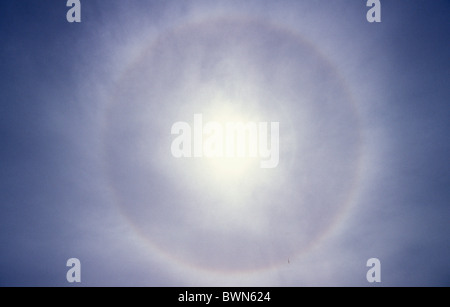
(240, 142)
(232, 176)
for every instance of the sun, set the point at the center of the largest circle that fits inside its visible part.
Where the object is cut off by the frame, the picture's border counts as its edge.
(231, 141)
(228, 169)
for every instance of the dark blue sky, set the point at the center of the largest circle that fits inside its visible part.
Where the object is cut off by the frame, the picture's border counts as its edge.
(86, 170)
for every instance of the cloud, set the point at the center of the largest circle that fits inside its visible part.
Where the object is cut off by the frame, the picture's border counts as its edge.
(88, 171)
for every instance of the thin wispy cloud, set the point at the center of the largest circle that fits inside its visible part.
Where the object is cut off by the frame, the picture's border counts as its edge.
(88, 169)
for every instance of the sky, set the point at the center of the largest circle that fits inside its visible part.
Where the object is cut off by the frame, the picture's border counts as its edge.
(87, 170)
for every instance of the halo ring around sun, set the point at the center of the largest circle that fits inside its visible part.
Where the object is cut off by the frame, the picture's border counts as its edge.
(259, 218)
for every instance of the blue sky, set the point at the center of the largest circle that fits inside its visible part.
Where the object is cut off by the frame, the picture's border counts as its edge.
(86, 169)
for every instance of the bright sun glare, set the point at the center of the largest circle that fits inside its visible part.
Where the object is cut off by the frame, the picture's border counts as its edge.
(232, 168)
